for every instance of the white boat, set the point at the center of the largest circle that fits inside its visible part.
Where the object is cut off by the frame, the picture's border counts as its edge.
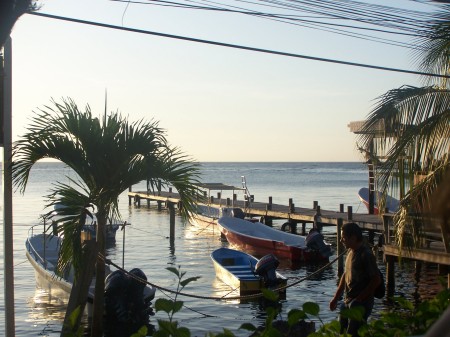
(392, 204)
(206, 214)
(260, 239)
(42, 250)
(90, 227)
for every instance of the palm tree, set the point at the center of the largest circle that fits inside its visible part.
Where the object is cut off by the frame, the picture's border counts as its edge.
(416, 135)
(108, 156)
(10, 12)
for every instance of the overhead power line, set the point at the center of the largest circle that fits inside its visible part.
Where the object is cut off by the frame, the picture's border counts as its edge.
(325, 15)
(235, 46)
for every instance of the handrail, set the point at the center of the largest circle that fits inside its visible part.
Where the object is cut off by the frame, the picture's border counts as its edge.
(31, 248)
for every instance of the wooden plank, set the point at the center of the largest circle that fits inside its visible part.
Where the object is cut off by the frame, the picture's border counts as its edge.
(435, 254)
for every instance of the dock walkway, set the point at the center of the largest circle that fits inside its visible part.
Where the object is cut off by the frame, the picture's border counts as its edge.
(290, 213)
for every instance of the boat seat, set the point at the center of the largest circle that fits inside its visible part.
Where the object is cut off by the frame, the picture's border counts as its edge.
(233, 268)
(248, 278)
(242, 274)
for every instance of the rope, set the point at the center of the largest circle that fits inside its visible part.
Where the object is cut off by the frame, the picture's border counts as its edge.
(253, 296)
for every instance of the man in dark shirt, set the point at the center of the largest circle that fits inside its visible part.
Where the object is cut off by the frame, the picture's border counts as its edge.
(359, 280)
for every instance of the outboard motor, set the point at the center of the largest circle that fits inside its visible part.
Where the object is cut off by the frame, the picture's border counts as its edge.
(266, 267)
(140, 306)
(116, 307)
(126, 310)
(315, 241)
(237, 213)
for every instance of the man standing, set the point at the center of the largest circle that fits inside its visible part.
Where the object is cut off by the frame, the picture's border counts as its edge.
(360, 278)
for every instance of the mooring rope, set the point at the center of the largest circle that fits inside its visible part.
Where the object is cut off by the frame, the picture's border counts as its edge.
(252, 296)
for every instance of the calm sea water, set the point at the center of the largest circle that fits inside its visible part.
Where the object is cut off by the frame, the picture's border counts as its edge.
(146, 245)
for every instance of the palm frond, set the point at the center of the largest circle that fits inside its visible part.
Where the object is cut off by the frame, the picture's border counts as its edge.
(70, 217)
(433, 56)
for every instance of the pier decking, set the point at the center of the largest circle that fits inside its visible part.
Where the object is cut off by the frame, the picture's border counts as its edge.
(270, 210)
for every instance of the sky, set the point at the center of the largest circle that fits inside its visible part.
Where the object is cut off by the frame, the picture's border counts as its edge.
(216, 103)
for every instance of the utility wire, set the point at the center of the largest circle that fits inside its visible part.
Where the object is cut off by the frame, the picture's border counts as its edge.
(296, 20)
(414, 23)
(235, 46)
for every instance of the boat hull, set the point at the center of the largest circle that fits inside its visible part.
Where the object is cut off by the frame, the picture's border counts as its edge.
(45, 276)
(42, 250)
(203, 222)
(392, 204)
(259, 239)
(206, 217)
(235, 269)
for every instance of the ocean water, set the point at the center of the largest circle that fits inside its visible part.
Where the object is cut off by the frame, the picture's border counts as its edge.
(146, 245)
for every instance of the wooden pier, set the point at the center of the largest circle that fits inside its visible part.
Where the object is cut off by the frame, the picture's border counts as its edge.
(269, 211)
(435, 251)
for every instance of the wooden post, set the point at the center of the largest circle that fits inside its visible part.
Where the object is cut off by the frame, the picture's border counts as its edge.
(171, 207)
(292, 208)
(315, 204)
(417, 270)
(290, 203)
(390, 275)
(318, 219)
(349, 213)
(371, 237)
(340, 247)
(293, 227)
(341, 208)
(268, 207)
(318, 210)
(387, 234)
(270, 200)
(137, 200)
(371, 185)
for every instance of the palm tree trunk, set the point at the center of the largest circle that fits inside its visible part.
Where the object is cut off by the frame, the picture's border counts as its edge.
(97, 316)
(80, 290)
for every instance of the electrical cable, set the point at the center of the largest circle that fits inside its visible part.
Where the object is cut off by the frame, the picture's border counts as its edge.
(253, 296)
(235, 46)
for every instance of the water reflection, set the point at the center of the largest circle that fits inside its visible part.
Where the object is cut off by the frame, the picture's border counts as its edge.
(46, 307)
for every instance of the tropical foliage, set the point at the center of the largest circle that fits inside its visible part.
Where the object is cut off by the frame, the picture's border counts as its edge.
(407, 135)
(10, 12)
(108, 156)
(403, 319)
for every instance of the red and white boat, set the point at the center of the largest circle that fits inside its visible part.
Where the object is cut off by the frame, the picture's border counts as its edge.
(392, 204)
(259, 239)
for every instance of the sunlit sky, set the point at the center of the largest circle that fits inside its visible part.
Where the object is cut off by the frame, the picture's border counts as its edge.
(216, 103)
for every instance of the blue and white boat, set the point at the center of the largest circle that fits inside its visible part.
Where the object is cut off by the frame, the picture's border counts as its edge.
(244, 272)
